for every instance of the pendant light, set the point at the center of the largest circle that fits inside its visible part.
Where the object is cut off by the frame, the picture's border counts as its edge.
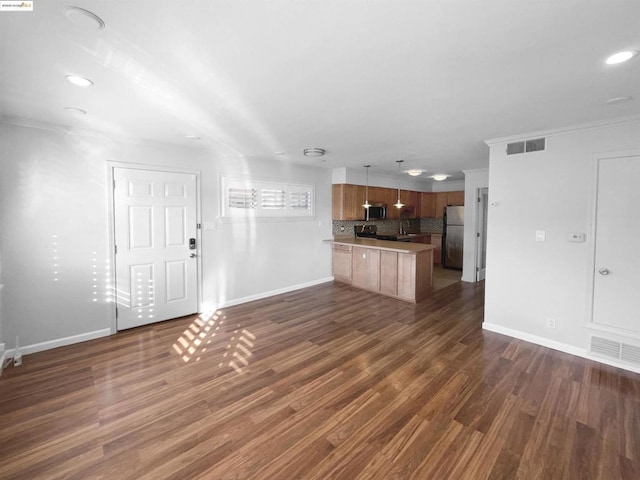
(366, 191)
(399, 204)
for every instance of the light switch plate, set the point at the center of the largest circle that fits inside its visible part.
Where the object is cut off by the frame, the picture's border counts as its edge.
(540, 235)
(576, 237)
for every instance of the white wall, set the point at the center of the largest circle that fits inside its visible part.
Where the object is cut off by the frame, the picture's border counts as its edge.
(528, 281)
(473, 180)
(54, 232)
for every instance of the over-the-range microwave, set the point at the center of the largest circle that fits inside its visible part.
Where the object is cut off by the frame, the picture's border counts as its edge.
(377, 211)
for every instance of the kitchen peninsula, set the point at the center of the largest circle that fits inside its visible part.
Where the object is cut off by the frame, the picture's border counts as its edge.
(397, 269)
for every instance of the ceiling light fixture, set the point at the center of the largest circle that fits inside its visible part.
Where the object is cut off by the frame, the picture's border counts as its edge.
(79, 81)
(193, 137)
(616, 100)
(621, 57)
(75, 110)
(414, 172)
(313, 152)
(366, 203)
(438, 177)
(83, 18)
(399, 204)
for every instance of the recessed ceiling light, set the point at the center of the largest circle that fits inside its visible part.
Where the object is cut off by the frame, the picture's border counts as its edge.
(313, 152)
(79, 81)
(75, 110)
(83, 18)
(193, 137)
(438, 177)
(414, 172)
(613, 101)
(621, 57)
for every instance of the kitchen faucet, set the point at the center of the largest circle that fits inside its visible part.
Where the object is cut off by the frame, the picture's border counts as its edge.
(402, 230)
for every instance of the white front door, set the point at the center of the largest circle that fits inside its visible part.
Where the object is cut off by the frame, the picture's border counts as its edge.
(155, 225)
(616, 295)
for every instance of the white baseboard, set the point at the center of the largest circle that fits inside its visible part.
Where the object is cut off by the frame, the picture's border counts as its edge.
(561, 347)
(59, 342)
(259, 296)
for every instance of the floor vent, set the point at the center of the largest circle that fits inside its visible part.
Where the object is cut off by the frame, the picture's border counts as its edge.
(616, 350)
(535, 145)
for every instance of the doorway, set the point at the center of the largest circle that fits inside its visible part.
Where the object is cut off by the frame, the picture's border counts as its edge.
(481, 233)
(156, 245)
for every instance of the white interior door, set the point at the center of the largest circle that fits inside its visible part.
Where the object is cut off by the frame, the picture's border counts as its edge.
(616, 296)
(156, 271)
(481, 234)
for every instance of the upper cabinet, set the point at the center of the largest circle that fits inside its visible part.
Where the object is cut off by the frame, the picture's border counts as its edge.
(347, 201)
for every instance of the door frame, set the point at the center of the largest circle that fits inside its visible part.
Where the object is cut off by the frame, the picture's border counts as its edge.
(480, 227)
(111, 165)
(591, 264)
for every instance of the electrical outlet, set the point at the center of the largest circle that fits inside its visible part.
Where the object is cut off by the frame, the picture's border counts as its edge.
(551, 323)
(342, 228)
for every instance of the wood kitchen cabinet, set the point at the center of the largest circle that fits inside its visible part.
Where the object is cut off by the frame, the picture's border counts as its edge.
(389, 272)
(436, 241)
(427, 204)
(404, 271)
(347, 201)
(341, 263)
(447, 198)
(455, 198)
(441, 202)
(411, 204)
(366, 268)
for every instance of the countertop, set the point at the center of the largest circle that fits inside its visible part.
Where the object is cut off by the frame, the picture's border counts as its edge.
(403, 247)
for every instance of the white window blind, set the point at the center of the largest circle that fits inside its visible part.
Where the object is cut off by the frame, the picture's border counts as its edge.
(246, 198)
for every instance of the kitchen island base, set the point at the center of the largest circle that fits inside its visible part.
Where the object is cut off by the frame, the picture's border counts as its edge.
(396, 269)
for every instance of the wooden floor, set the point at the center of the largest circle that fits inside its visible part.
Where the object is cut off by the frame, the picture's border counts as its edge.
(328, 382)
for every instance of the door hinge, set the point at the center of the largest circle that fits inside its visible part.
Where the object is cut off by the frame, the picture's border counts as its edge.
(114, 184)
(199, 226)
(478, 234)
(116, 313)
(479, 200)
(116, 249)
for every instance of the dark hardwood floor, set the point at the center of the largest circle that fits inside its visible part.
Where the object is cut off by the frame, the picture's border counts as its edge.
(328, 382)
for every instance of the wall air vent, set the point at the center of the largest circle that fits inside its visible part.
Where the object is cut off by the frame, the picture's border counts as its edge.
(535, 145)
(615, 350)
(513, 148)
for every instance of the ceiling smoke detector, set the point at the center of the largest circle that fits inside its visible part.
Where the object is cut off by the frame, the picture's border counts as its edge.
(313, 152)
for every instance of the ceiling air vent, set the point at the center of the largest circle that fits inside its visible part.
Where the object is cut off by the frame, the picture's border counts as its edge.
(535, 145)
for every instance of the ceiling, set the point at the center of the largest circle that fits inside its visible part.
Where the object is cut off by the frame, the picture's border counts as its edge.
(370, 81)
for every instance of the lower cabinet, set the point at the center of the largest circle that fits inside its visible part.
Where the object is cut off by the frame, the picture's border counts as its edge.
(407, 276)
(389, 272)
(366, 268)
(341, 262)
(436, 241)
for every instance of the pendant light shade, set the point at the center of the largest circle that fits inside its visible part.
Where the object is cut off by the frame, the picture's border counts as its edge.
(366, 203)
(399, 204)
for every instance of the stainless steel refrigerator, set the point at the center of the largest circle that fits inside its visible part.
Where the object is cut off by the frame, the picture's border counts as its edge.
(452, 237)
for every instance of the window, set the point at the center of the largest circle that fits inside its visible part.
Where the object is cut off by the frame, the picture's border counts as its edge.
(245, 198)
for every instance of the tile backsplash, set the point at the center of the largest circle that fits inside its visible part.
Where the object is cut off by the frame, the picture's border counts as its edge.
(345, 227)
